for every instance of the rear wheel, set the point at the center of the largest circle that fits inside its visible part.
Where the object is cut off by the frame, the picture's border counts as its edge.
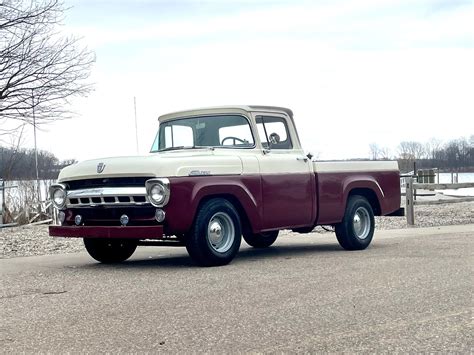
(110, 250)
(261, 240)
(356, 230)
(216, 235)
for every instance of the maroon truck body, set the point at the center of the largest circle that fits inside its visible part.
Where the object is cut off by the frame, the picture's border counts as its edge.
(322, 202)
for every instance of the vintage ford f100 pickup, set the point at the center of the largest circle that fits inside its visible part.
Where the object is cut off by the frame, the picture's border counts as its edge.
(213, 176)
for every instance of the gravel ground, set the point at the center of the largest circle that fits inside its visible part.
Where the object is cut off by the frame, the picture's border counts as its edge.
(34, 240)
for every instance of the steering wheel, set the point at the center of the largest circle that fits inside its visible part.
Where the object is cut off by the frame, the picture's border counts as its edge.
(235, 139)
(274, 138)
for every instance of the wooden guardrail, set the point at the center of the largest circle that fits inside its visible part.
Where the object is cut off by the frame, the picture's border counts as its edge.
(461, 185)
(411, 186)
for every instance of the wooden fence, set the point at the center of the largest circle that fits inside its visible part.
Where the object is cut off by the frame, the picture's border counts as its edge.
(412, 186)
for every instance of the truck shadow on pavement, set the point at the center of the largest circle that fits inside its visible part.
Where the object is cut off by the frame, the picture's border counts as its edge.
(180, 258)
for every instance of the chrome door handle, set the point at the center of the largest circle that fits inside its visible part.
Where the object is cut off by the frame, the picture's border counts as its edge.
(302, 159)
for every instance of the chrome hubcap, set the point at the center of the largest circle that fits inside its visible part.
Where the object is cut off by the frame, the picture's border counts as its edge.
(361, 223)
(220, 232)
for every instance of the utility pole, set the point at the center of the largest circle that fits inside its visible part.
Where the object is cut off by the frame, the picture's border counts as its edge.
(136, 124)
(36, 149)
(2, 188)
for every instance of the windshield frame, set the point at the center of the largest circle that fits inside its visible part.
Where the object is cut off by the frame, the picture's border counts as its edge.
(249, 122)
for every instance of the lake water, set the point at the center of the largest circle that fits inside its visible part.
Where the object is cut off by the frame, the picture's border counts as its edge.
(445, 178)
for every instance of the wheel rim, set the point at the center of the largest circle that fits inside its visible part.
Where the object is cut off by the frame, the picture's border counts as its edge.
(361, 223)
(220, 232)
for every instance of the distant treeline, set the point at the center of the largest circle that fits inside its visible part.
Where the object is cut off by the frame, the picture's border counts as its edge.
(455, 155)
(19, 164)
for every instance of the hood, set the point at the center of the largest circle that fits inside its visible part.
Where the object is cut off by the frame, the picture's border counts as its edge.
(168, 164)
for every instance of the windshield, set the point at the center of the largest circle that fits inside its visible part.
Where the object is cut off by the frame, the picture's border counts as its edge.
(229, 131)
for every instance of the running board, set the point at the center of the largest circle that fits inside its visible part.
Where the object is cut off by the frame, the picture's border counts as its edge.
(162, 243)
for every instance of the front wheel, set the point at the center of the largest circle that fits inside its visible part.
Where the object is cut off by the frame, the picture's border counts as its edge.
(110, 250)
(216, 235)
(261, 240)
(356, 230)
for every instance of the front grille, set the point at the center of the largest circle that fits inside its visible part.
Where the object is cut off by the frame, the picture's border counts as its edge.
(115, 192)
(107, 196)
(107, 182)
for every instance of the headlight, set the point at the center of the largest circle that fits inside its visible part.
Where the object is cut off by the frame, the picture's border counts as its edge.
(58, 195)
(158, 191)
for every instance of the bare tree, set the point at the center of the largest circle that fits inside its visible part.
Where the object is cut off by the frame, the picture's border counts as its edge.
(9, 157)
(384, 153)
(374, 151)
(411, 150)
(40, 70)
(432, 148)
(379, 153)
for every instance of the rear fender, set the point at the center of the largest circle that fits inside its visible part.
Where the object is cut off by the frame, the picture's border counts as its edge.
(362, 182)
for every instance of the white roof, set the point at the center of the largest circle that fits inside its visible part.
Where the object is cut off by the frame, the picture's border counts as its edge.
(226, 109)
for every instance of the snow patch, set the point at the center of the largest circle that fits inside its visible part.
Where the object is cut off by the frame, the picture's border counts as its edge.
(466, 192)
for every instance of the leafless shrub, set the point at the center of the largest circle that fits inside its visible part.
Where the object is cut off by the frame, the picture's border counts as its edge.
(22, 202)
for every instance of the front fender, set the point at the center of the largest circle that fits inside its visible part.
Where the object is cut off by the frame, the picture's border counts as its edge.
(188, 192)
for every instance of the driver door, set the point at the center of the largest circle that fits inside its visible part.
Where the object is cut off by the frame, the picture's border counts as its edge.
(288, 183)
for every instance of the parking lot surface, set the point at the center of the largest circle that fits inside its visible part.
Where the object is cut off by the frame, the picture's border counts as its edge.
(410, 291)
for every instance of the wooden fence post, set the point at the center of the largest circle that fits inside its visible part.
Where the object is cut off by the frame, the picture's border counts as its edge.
(409, 205)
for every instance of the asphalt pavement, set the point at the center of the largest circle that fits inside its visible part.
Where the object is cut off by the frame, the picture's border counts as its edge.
(411, 291)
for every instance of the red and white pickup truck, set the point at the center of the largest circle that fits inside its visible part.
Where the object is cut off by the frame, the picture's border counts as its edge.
(213, 176)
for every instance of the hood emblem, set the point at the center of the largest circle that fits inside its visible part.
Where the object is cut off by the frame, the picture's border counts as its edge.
(100, 167)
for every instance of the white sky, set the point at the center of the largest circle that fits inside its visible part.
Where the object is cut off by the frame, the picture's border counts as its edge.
(353, 71)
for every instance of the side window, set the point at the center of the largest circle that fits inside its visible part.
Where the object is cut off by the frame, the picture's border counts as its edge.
(273, 132)
(176, 136)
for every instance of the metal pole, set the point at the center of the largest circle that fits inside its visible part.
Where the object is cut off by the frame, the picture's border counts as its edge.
(3, 200)
(136, 124)
(409, 204)
(36, 150)
(416, 178)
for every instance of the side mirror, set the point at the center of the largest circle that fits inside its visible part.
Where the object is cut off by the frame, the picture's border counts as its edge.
(310, 155)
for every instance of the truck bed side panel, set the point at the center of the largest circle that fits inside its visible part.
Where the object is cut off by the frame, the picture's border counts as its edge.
(335, 187)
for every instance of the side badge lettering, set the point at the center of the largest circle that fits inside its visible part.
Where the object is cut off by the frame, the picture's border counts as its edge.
(199, 172)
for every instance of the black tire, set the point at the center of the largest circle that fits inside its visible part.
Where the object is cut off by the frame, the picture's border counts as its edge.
(356, 230)
(216, 234)
(261, 240)
(109, 251)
